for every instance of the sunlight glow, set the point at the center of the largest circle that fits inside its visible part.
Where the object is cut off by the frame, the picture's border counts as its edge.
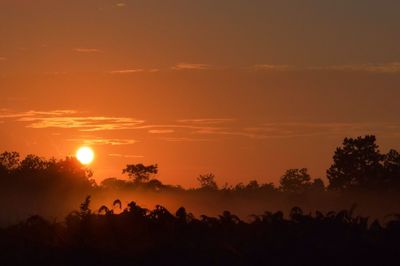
(85, 155)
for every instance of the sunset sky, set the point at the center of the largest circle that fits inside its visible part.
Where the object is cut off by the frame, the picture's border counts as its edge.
(243, 89)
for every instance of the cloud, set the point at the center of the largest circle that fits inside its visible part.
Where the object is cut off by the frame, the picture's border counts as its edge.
(94, 123)
(125, 155)
(2, 58)
(307, 129)
(393, 67)
(183, 139)
(126, 71)
(120, 5)
(161, 131)
(6, 113)
(190, 130)
(103, 141)
(87, 50)
(69, 119)
(206, 121)
(55, 73)
(190, 66)
(270, 67)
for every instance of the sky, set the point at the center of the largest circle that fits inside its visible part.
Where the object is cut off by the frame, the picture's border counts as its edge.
(242, 89)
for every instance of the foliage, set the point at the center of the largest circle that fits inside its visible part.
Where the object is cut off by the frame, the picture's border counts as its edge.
(207, 181)
(358, 163)
(295, 180)
(140, 173)
(137, 236)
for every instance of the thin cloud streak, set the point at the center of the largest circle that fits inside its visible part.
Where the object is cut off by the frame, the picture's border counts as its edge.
(161, 131)
(372, 68)
(104, 141)
(85, 124)
(270, 67)
(126, 71)
(187, 129)
(382, 68)
(182, 139)
(125, 155)
(191, 66)
(6, 113)
(207, 121)
(87, 50)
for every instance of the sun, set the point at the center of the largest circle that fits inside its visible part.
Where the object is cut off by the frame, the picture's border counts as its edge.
(85, 155)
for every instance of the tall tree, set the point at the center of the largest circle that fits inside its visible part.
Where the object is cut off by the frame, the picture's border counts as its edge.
(295, 180)
(357, 163)
(140, 173)
(207, 181)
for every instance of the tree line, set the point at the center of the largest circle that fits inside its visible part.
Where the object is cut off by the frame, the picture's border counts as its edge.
(357, 164)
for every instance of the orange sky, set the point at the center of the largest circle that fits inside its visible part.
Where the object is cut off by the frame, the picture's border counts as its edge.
(244, 90)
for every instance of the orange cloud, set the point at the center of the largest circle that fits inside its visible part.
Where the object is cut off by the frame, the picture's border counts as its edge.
(104, 141)
(161, 131)
(87, 50)
(393, 67)
(126, 71)
(189, 66)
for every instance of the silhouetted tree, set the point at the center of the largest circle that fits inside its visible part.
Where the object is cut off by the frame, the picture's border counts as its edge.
(33, 163)
(9, 160)
(84, 208)
(391, 166)
(318, 184)
(207, 181)
(356, 164)
(140, 173)
(253, 185)
(295, 180)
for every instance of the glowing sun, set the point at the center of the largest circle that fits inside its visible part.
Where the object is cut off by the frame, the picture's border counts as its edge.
(85, 155)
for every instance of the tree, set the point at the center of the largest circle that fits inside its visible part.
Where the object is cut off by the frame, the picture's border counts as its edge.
(318, 184)
(356, 164)
(391, 166)
(207, 181)
(9, 160)
(139, 172)
(253, 185)
(295, 180)
(33, 162)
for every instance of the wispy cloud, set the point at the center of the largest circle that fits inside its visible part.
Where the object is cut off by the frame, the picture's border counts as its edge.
(271, 67)
(103, 141)
(6, 113)
(308, 129)
(161, 131)
(120, 5)
(87, 50)
(125, 155)
(94, 123)
(126, 71)
(183, 139)
(70, 119)
(188, 130)
(191, 66)
(2, 58)
(392, 67)
(55, 73)
(206, 121)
